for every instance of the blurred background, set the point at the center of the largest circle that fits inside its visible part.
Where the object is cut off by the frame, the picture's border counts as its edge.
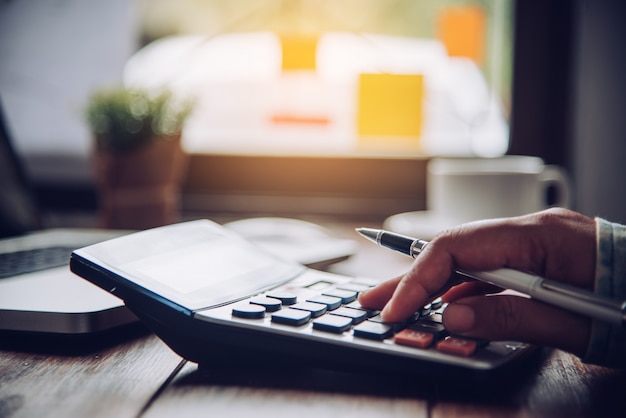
(322, 107)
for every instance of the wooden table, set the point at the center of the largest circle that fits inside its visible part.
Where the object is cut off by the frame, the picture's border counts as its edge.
(132, 373)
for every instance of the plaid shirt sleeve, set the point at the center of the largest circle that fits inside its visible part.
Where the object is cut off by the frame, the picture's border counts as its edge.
(607, 345)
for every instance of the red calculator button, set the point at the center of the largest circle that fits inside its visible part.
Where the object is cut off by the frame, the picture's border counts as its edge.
(458, 346)
(414, 338)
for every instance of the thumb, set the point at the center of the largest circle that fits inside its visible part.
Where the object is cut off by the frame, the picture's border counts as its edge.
(509, 317)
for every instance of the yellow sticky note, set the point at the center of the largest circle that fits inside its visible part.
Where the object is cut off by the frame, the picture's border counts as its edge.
(462, 30)
(299, 52)
(390, 110)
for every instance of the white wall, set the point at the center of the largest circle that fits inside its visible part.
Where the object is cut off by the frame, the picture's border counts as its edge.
(53, 53)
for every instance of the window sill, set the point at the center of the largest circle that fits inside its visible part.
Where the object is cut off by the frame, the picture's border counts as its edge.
(338, 186)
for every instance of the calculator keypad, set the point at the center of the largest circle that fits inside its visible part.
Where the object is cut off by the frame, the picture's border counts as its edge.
(334, 312)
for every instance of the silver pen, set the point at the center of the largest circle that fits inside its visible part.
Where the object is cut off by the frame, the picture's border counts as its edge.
(564, 296)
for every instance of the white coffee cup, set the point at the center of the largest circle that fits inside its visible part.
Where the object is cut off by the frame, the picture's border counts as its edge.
(466, 189)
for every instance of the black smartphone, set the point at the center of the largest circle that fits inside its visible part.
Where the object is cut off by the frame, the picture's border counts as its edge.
(214, 297)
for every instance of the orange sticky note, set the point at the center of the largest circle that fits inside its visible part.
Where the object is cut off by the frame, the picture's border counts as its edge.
(390, 105)
(462, 30)
(289, 119)
(299, 52)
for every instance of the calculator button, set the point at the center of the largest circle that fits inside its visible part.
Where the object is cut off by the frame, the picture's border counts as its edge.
(331, 302)
(413, 318)
(436, 304)
(316, 309)
(354, 287)
(373, 330)
(356, 305)
(287, 298)
(270, 304)
(346, 296)
(395, 326)
(414, 338)
(458, 346)
(249, 311)
(356, 315)
(438, 330)
(319, 285)
(293, 317)
(365, 281)
(332, 323)
(434, 317)
(440, 309)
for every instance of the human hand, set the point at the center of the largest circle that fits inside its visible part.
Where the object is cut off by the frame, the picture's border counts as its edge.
(556, 243)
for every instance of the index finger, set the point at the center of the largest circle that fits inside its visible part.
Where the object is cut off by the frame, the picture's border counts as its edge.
(429, 276)
(482, 245)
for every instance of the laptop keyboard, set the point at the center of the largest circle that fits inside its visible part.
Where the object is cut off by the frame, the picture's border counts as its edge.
(22, 262)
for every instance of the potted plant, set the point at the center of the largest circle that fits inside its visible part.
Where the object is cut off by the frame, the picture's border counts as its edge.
(138, 159)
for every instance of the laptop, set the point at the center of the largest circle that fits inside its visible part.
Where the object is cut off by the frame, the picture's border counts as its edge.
(38, 293)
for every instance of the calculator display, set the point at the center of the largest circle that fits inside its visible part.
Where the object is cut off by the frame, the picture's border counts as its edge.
(215, 264)
(206, 267)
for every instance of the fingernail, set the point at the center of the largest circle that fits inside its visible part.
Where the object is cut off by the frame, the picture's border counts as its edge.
(383, 312)
(459, 318)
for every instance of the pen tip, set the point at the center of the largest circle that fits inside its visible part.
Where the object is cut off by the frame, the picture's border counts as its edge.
(368, 233)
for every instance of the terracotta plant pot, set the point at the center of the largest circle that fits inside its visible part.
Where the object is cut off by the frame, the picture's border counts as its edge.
(140, 189)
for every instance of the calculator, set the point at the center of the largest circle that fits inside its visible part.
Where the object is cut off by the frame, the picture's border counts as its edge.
(214, 297)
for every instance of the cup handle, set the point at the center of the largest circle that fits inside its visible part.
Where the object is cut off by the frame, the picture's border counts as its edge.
(555, 176)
